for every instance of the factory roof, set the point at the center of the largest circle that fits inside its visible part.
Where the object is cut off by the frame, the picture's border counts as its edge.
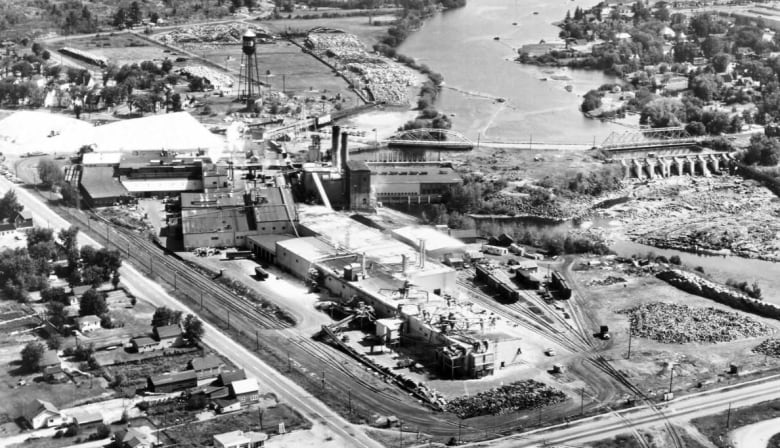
(174, 159)
(413, 173)
(167, 185)
(101, 158)
(434, 239)
(357, 165)
(268, 242)
(99, 182)
(215, 199)
(309, 248)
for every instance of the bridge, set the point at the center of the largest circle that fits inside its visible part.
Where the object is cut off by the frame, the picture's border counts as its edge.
(646, 139)
(429, 138)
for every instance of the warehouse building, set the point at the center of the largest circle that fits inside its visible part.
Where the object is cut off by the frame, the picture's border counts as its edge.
(228, 219)
(99, 187)
(412, 182)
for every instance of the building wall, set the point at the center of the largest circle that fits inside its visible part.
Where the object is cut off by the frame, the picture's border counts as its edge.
(437, 282)
(292, 262)
(359, 186)
(345, 290)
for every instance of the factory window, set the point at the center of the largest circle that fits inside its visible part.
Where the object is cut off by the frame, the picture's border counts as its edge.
(273, 228)
(214, 237)
(437, 291)
(263, 228)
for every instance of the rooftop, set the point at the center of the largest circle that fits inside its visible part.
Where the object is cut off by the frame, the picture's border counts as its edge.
(144, 341)
(268, 242)
(168, 331)
(99, 182)
(206, 362)
(239, 437)
(87, 319)
(308, 247)
(101, 158)
(244, 386)
(175, 377)
(227, 377)
(49, 358)
(434, 239)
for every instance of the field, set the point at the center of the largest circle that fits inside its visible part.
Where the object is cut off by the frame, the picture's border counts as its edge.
(359, 26)
(121, 48)
(200, 433)
(695, 364)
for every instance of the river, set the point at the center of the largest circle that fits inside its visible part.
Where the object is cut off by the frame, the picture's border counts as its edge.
(477, 70)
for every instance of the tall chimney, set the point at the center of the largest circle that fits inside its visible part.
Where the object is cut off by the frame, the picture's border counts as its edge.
(422, 254)
(344, 151)
(334, 144)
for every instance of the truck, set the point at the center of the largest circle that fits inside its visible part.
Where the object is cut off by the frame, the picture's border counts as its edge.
(494, 250)
(261, 273)
(604, 333)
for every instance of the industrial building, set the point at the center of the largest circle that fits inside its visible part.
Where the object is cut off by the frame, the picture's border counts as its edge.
(228, 219)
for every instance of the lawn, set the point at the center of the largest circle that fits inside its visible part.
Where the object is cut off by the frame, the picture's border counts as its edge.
(118, 48)
(201, 433)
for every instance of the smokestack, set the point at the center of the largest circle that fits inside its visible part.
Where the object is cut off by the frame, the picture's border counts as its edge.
(403, 264)
(422, 254)
(334, 143)
(344, 151)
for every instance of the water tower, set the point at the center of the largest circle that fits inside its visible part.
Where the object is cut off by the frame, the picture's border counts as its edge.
(249, 78)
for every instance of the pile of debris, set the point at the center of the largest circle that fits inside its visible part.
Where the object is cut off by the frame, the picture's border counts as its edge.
(609, 280)
(679, 324)
(217, 79)
(219, 34)
(520, 395)
(770, 347)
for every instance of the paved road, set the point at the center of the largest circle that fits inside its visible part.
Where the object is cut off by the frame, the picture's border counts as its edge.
(148, 290)
(679, 410)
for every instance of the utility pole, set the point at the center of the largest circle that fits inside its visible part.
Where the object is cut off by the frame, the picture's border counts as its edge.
(323, 381)
(228, 320)
(629, 339)
(289, 363)
(460, 425)
(671, 377)
(582, 401)
(257, 341)
(400, 434)
(174, 280)
(349, 401)
(201, 300)
(728, 417)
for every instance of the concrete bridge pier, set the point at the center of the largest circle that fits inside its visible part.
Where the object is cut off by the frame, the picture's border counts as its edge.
(638, 169)
(666, 167)
(626, 169)
(701, 162)
(678, 165)
(714, 162)
(691, 166)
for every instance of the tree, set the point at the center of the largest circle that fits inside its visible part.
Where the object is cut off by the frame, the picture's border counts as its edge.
(46, 55)
(31, 356)
(9, 205)
(198, 84)
(705, 87)
(36, 48)
(662, 112)
(762, 150)
(54, 294)
(57, 315)
(50, 173)
(193, 328)
(165, 316)
(591, 101)
(93, 302)
(696, 128)
(167, 65)
(134, 15)
(721, 61)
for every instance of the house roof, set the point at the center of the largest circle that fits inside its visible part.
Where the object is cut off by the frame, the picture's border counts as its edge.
(88, 319)
(79, 290)
(244, 386)
(227, 377)
(25, 214)
(175, 377)
(135, 436)
(84, 417)
(36, 407)
(240, 437)
(49, 358)
(225, 402)
(144, 341)
(168, 331)
(205, 362)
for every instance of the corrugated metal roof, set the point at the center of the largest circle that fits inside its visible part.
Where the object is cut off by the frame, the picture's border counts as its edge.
(173, 184)
(99, 182)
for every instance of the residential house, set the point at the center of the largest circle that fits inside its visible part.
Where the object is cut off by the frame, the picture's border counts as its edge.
(144, 344)
(7, 227)
(168, 336)
(172, 382)
(49, 359)
(227, 405)
(23, 220)
(88, 323)
(42, 414)
(136, 437)
(206, 367)
(83, 418)
(229, 376)
(245, 391)
(240, 439)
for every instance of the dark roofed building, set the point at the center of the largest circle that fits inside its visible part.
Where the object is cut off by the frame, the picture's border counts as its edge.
(206, 367)
(23, 219)
(144, 344)
(228, 219)
(172, 382)
(229, 376)
(168, 336)
(100, 188)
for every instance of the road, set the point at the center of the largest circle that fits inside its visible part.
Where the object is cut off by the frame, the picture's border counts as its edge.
(756, 435)
(146, 289)
(678, 410)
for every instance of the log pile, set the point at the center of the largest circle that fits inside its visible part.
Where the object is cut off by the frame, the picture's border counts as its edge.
(770, 347)
(680, 324)
(520, 395)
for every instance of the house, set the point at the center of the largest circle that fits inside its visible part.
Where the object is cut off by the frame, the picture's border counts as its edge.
(49, 359)
(88, 323)
(136, 437)
(245, 391)
(54, 374)
(227, 405)
(168, 336)
(229, 376)
(172, 382)
(23, 220)
(216, 392)
(206, 367)
(6, 227)
(144, 344)
(42, 414)
(83, 418)
(240, 439)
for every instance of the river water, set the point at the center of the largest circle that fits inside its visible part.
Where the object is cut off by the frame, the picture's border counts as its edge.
(477, 70)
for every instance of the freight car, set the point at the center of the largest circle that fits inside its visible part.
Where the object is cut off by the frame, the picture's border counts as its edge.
(560, 286)
(499, 282)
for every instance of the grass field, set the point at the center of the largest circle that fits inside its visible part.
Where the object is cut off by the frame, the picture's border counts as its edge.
(201, 433)
(714, 426)
(118, 48)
